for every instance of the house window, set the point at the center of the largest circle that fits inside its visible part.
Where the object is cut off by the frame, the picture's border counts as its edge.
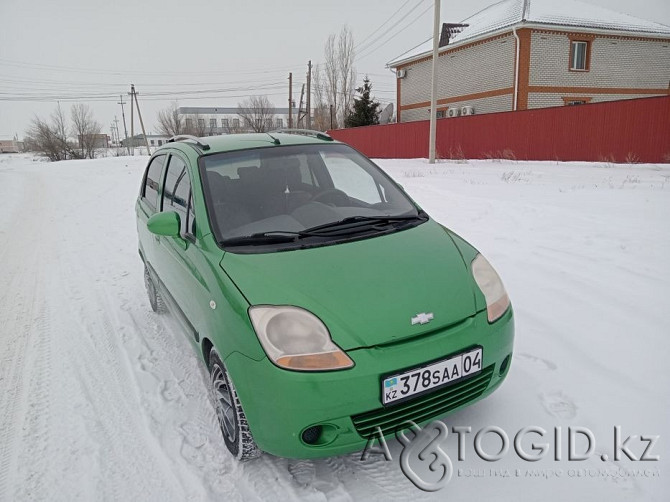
(441, 114)
(280, 123)
(236, 123)
(579, 55)
(152, 142)
(201, 124)
(268, 124)
(224, 123)
(212, 124)
(189, 124)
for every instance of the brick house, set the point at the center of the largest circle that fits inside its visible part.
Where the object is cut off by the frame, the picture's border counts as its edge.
(518, 55)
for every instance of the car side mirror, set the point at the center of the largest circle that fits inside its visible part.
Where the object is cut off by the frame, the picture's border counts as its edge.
(165, 223)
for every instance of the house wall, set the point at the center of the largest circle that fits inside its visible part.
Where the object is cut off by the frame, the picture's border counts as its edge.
(491, 104)
(473, 75)
(615, 62)
(221, 129)
(547, 99)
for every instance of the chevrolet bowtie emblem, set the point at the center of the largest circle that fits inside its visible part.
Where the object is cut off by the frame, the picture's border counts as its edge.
(422, 318)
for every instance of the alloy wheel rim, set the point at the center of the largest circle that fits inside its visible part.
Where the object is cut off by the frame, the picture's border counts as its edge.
(223, 402)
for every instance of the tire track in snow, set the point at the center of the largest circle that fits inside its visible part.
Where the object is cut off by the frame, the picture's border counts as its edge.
(22, 305)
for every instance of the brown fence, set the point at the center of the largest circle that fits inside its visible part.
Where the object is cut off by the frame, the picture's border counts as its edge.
(635, 130)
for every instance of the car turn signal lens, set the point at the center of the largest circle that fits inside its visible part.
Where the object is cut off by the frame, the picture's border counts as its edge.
(307, 362)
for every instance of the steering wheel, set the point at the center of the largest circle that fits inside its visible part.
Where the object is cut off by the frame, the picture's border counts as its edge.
(332, 196)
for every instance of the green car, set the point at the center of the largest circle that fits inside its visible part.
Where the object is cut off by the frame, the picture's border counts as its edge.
(326, 304)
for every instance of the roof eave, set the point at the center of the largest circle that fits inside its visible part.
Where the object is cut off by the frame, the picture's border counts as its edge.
(600, 31)
(531, 24)
(459, 43)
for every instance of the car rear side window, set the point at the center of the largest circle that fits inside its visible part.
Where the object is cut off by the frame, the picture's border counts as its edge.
(151, 180)
(177, 193)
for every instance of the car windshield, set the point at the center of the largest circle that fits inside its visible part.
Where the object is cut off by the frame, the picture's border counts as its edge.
(272, 195)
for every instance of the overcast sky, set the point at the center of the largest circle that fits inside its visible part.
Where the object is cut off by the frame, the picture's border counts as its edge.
(93, 49)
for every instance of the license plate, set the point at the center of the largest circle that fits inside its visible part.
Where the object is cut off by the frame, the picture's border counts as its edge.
(403, 385)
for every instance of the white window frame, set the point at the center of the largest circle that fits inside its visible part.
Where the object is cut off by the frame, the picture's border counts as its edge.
(575, 46)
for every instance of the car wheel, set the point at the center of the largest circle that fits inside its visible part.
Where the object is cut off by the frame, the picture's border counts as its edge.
(232, 420)
(155, 299)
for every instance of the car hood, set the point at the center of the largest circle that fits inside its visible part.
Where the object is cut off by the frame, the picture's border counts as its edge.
(365, 291)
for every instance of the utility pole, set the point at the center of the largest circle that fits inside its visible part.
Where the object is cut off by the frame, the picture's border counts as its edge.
(132, 121)
(301, 113)
(118, 139)
(309, 94)
(139, 114)
(433, 91)
(290, 100)
(115, 134)
(331, 117)
(125, 130)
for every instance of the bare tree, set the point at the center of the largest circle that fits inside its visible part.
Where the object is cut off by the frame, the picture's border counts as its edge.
(50, 138)
(320, 119)
(338, 88)
(256, 112)
(345, 61)
(86, 130)
(331, 70)
(170, 122)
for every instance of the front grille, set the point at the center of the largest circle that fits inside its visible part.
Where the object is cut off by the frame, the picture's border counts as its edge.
(425, 407)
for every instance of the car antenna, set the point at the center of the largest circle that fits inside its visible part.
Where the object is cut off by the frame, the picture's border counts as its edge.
(275, 140)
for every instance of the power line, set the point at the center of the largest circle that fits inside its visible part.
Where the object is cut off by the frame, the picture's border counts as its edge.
(38, 66)
(417, 45)
(70, 83)
(380, 26)
(394, 35)
(366, 46)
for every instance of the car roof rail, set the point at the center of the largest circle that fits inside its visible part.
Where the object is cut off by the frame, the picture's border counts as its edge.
(188, 137)
(306, 132)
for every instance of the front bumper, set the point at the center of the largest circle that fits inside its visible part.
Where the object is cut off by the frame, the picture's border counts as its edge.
(281, 404)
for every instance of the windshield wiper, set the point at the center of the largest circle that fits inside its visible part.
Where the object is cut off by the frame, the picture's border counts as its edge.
(261, 238)
(359, 222)
(345, 226)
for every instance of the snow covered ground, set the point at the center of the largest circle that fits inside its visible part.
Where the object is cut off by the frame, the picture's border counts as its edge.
(101, 399)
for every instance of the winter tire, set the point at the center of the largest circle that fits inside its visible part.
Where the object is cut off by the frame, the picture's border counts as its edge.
(155, 299)
(233, 422)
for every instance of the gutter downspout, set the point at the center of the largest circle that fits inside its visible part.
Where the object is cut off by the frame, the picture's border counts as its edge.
(524, 11)
(516, 69)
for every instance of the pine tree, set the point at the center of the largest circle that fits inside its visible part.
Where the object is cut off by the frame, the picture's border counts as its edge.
(366, 110)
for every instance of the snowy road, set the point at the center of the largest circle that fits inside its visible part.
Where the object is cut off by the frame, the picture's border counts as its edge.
(101, 399)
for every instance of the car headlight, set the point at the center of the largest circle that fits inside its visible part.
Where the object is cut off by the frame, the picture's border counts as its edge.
(491, 286)
(296, 339)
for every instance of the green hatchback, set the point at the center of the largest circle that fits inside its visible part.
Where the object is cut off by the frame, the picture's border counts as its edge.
(326, 304)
